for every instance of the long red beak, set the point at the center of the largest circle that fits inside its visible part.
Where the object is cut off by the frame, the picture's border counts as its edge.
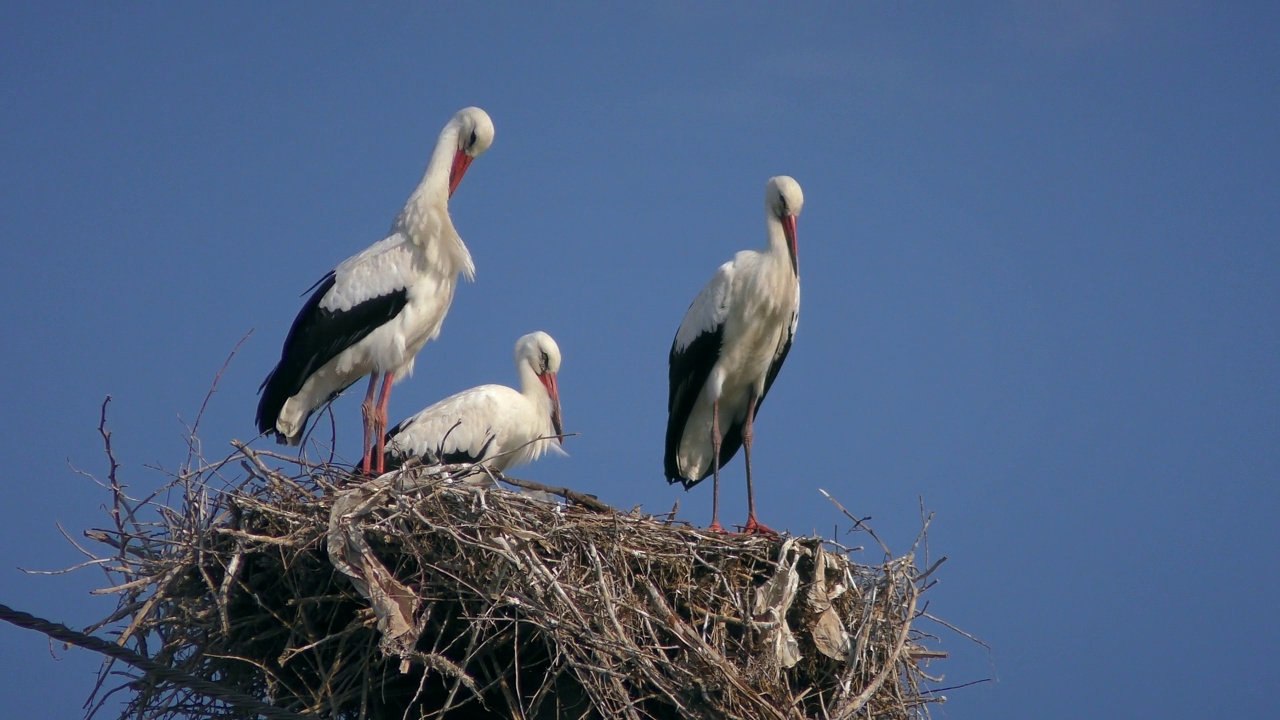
(789, 230)
(461, 161)
(553, 392)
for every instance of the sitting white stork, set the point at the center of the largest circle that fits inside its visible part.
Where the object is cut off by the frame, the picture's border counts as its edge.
(490, 424)
(729, 349)
(374, 312)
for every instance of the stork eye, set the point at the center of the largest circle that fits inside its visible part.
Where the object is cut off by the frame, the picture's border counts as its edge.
(546, 362)
(472, 141)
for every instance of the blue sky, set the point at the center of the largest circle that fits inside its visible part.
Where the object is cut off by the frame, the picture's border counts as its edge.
(1040, 261)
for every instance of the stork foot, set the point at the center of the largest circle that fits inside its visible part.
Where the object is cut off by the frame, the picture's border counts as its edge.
(753, 527)
(715, 526)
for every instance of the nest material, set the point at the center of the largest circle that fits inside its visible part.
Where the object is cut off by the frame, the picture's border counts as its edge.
(421, 595)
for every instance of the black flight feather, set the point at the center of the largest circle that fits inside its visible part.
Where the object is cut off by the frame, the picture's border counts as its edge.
(689, 370)
(393, 460)
(316, 337)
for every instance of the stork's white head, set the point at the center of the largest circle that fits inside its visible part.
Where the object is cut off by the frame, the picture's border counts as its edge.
(783, 197)
(540, 354)
(783, 200)
(474, 132)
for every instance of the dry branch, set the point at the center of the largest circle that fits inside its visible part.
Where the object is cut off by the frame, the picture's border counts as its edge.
(422, 595)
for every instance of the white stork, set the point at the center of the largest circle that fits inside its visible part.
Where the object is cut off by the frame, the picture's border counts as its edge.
(729, 349)
(372, 313)
(490, 424)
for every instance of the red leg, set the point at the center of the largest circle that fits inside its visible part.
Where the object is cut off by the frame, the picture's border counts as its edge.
(753, 525)
(384, 398)
(366, 411)
(715, 525)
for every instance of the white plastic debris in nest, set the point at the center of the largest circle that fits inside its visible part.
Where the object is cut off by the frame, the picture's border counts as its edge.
(773, 600)
(829, 633)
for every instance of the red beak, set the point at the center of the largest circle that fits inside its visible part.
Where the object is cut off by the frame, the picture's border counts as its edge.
(789, 230)
(461, 161)
(553, 392)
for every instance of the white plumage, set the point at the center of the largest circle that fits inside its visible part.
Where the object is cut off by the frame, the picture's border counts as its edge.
(490, 424)
(729, 349)
(374, 312)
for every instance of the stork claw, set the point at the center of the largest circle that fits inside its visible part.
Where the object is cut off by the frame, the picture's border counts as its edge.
(754, 527)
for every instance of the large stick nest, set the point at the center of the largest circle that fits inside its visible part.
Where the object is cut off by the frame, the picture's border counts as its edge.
(422, 595)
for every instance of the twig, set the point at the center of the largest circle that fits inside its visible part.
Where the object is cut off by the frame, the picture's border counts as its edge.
(925, 575)
(566, 493)
(955, 630)
(857, 522)
(195, 427)
(971, 683)
(158, 672)
(523, 608)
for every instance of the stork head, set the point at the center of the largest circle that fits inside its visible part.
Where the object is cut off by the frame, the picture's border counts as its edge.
(783, 200)
(475, 134)
(541, 354)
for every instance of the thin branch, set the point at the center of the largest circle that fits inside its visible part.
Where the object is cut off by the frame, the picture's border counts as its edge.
(571, 495)
(857, 522)
(158, 672)
(195, 427)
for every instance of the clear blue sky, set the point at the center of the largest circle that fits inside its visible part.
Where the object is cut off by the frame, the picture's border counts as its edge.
(1040, 260)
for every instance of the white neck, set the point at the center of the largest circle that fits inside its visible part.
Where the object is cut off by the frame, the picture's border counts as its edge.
(777, 238)
(425, 215)
(432, 192)
(435, 181)
(533, 389)
(530, 386)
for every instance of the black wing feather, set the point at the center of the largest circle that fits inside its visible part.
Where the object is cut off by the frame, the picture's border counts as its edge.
(464, 456)
(393, 460)
(689, 370)
(316, 337)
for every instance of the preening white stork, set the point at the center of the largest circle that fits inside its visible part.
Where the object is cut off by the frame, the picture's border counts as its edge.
(729, 349)
(490, 424)
(374, 312)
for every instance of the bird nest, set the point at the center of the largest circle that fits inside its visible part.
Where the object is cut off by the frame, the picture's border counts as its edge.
(297, 590)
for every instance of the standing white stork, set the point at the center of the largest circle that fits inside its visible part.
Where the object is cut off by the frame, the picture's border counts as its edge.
(372, 313)
(729, 349)
(490, 424)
